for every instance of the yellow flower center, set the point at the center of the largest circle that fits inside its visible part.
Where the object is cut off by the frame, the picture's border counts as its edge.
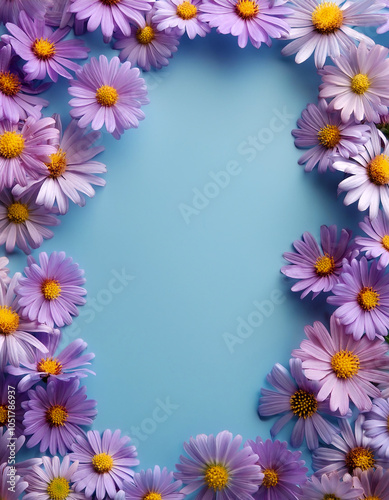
(57, 415)
(152, 496)
(58, 488)
(247, 9)
(368, 298)
(216, 477)
(327, 18)
(11, 145)
(325, 265)
(270, 478)
(360, 457)
(57, 165)
(51, 289)
(360, 84)
(186, 10)
(378, 170)
(102, 463)
(372, 498)
(49, 365)
(107, 96)
(329, 136)
(303, 404)
(43, 49)
(17, 212)
(9, 83)
(9, 321)
(345, 364)
(109, 2)
(145, 35)
(385, 241)
(330, 496)
(3, 415)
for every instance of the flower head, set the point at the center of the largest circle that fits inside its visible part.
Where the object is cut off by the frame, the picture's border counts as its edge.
(11, 418)
(157, 482)
(330, 487)
(376, 245)
(376, 426)
(7, 492)
(218, 466)
(110, 94)
(182, 16)
(375, 483)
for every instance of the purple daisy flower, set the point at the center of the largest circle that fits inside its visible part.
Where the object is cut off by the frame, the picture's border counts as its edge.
(53, 482)
(295, 397)
(6, 491)
(6, 438)
(283, 471)
(182, 16)
(16, 339)
(51, 291)
(110, 94)
(43, 49)
(4, 278)
(368, 181)
(10, 9)
(17, 101)
(330, 487)
(326, 137)
(23, 222)
(254, 20)
(318, 269)
(376, 426)
(104, 463)
(148, 46)
(375, 483)
(67, 364)
(24, 148)
(110, 15)
(345, 368)
(11, 418)
(350, 451)
(54, 415)
(377, 244)
(326, 28)
(157, 482)
(70, 171)
(363, 297)
(219, 467)
(356, 84)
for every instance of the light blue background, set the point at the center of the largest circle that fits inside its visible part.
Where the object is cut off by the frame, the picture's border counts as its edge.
(161, 336)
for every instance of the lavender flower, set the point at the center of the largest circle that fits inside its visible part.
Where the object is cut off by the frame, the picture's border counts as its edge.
(375, 483)
(157, 482)
(376, 245)
(331, 487)
(11, 419)
(376, 426)
(7, 492)
(182, 16)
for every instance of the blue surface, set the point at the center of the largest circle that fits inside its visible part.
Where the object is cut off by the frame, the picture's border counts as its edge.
(159, 336)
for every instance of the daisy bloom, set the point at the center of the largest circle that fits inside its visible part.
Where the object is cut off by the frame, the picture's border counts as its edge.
(356, 84)
(110, 14)
(345, 368)
(53, 482)
(326, 28)
(6, 491)
(363, 297)
(254, 20)
(110, 94)
(350, 451)
(326, 137)
(368, 181)
(375, 483)
(17, 99)
(104, 463)
(295, 397)
(65, 365)
(55, 413)
(4, 278)
(70, 172)
(11, 417)
(51, 290)
(219, 467)
(24, 148)
(182, 15)
(318, 269)
(43, 48)
(147, 46)
(16, 339)
(376, 426)
(153, 485)
(23, 222)
(376, 245)
(10, 9)
(330, 487)
(283, 471)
